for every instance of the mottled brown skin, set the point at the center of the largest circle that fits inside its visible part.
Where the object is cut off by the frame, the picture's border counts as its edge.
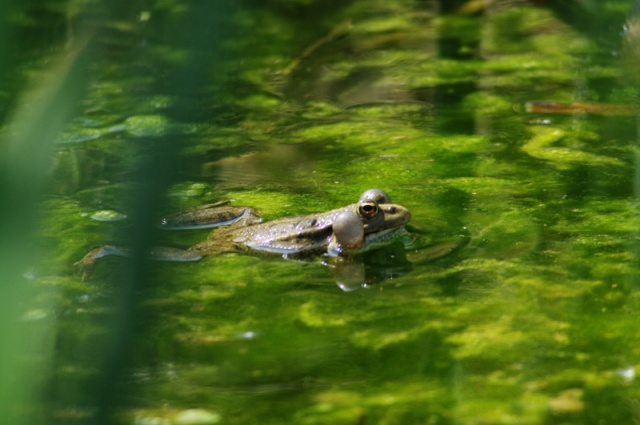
(310, 234)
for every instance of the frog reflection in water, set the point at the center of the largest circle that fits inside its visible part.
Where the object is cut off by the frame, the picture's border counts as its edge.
(370, 223)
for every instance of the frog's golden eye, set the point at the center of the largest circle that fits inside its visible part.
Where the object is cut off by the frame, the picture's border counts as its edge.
(368, 209)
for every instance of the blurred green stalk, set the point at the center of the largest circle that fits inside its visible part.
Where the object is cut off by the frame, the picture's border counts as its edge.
(25, 153)
(25, 156)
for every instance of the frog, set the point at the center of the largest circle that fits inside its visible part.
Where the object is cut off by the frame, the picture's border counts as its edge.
(372, 222)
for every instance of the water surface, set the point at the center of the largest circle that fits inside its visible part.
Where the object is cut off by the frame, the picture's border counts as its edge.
(303, 107)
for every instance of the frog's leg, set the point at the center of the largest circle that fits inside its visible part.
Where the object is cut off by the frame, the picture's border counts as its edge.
(160, 253)
(211, 215)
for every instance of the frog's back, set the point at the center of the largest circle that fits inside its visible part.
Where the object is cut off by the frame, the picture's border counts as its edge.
(294, 235)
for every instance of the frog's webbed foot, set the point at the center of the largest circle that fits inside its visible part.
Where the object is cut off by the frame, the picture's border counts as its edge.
(86, 264)
(211, 215)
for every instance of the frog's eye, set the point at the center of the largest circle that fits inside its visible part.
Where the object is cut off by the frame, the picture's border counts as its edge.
(368, 209)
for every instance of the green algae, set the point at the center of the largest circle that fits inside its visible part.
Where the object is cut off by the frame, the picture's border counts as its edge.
(154, 126)
(544, 145)
(107, 215)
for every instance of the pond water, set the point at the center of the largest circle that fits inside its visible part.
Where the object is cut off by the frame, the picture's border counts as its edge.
(512, 300)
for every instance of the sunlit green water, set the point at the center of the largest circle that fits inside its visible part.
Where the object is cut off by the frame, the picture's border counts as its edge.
(533, 321)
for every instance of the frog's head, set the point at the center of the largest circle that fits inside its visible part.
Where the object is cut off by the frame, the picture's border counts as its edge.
(371, 223)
